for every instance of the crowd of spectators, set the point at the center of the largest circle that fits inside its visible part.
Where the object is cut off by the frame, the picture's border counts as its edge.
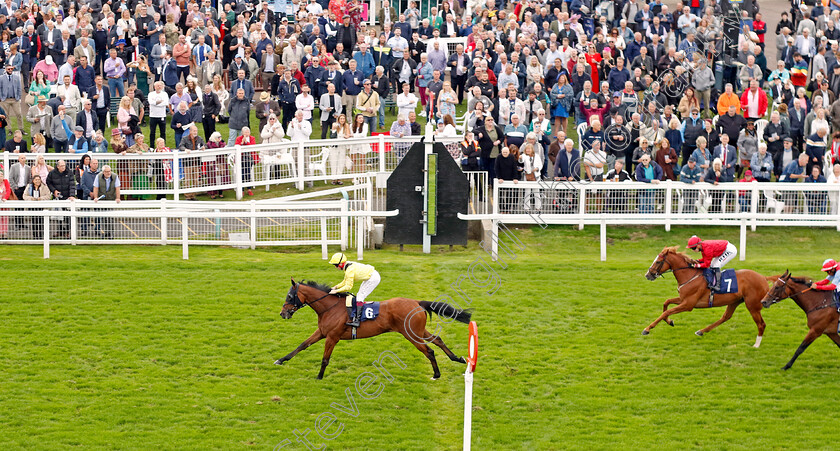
(653, 93)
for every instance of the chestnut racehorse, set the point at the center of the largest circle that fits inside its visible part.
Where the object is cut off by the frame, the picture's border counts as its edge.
(402, 315)
(818, 306)
(694, 292)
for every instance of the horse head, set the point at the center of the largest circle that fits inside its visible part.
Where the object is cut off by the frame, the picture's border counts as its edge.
(663, 263)
(778, 291)
(293, 302)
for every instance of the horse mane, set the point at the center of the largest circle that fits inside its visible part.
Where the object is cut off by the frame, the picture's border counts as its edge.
(802, 280)
(676, 251)
(317, 285)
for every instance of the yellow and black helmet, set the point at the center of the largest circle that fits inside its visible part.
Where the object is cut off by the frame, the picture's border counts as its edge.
(338, 258)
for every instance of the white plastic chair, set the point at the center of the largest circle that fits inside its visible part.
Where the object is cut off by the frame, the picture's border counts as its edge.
(714, 120)
(704, 201)
(772, 203)
(581, 129)
(282, 158)
(759, 129)
(319, 162)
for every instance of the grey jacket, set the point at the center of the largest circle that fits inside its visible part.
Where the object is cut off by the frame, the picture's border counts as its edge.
(239, 111)
(57, 129)
(16, 172)
(44, 122)
(703, 79)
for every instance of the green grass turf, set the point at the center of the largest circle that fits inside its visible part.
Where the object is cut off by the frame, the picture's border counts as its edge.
(131, 347)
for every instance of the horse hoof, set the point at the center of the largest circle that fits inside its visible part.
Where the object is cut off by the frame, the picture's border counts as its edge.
(699, 333)
(786, 367)
(645, 332)
(461, 360)
(319, 377)
(279, 362)
(670, 322)
(434, 378)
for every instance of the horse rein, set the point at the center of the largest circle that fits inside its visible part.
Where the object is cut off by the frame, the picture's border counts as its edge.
(301, 304)
(776, 298)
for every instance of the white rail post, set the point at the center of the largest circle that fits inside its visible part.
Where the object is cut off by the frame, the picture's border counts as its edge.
(603, 240)
(6, 166)
(360, 237)
(742, 254)
(253, 224)
(323, 237)
(669, 192)
(344, 221)
(46, 234)
(176, 174)
(495, 199)
(185, 239)
(381, 153)
(755, 197)
(494, 241)
(73, 223)
(582, 205)
(468, 389)
(237, 171)
(164, 222)
(301, 167)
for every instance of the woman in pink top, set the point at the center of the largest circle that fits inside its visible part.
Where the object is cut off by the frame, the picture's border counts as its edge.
(48, 67)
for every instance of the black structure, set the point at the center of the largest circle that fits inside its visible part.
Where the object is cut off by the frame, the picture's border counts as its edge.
(453, 191)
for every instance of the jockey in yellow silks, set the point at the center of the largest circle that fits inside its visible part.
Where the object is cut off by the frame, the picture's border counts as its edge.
(354, 272)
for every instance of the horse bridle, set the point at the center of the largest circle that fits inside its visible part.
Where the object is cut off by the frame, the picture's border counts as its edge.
(297, 304)
(776, 298)
(660, 273)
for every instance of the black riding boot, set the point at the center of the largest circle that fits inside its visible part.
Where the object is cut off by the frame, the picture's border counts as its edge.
(718, 281)
(354, 319)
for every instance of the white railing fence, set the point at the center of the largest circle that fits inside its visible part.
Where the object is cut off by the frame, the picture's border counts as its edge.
(747, 205)
(345, 223)
(241, 168)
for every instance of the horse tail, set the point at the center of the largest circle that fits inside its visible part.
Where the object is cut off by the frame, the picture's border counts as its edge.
(447, 311)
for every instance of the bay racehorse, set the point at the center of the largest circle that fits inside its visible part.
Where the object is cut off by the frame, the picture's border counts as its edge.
(402, 315)
(694, 292)
(819, 308)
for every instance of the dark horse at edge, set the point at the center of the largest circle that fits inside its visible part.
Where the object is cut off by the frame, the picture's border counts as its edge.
(402, 315)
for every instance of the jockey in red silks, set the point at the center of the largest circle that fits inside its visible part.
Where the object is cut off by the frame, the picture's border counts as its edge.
(716, 254)
(832, 282)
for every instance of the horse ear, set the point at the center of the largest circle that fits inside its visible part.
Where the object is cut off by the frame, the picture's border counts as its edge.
(293, 281)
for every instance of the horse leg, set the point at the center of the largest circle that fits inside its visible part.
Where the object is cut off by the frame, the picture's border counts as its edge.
(314, 338)
(667, 320)
(425, 349)
(437, 341)
(730, 309)
(812, 335)
(684, 307)
(328, 349)
(759, 323)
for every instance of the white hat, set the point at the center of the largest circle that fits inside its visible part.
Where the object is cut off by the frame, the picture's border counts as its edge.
(49, 60)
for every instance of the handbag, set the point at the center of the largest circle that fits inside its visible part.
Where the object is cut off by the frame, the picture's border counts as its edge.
(530, 177)
(29, 99)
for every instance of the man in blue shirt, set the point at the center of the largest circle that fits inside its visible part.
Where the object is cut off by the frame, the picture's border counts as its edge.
(618, 75)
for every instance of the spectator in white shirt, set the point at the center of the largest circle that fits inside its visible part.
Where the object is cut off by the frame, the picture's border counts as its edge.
(305, 103)
(299, 129)
(158, 104)
(406, 100)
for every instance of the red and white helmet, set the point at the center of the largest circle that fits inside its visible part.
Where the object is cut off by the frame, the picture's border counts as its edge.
(829, 264)
(693, 242)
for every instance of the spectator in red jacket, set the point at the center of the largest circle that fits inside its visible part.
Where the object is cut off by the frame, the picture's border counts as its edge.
(716, 254)
(754, 102)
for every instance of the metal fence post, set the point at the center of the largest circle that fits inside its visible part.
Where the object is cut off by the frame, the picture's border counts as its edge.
(742, 255)
(185, 238)
(237, 171)
(755, 197)
(343, 221)
(176, 174)
(603, 240)
(360, 237)
(324, 237)
(6, 166)
(46, 234)
(164, 222)
(301, 166)
(669, 192)
(582, 205)
(73, 223)
(253, 224)
(381, 153)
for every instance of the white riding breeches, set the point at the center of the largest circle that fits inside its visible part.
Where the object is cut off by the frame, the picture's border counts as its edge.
(366, 288)
(730, 253)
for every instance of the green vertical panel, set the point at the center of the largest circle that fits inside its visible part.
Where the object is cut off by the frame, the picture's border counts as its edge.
(431, 195)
